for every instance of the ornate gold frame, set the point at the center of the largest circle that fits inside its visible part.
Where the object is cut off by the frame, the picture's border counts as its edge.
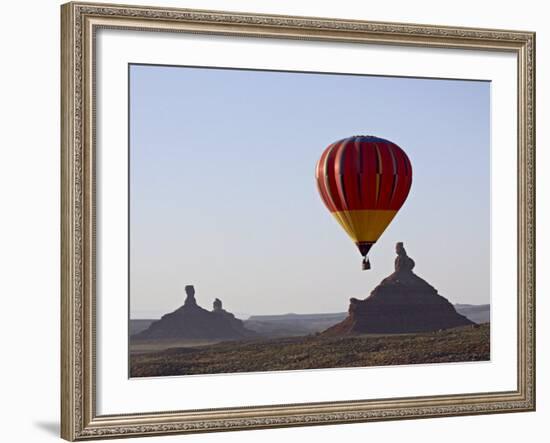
(79, 21)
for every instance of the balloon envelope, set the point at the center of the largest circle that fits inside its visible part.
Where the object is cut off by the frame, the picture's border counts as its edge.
(364, 181)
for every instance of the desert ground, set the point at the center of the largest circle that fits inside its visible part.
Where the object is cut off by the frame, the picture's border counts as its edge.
(469, 343)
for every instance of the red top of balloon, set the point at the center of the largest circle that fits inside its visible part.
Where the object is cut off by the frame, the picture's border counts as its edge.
(363, 172)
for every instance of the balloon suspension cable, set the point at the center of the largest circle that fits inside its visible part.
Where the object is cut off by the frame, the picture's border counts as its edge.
(366, 263)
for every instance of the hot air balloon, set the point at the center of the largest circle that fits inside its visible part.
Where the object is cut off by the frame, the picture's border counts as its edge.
(364, 181)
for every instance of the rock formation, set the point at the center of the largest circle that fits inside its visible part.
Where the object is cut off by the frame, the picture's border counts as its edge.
(190, 299)
(217, 305)
(190, 321)
(401, 303)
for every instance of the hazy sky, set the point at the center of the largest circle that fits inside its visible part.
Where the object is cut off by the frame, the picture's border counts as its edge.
(223, 193)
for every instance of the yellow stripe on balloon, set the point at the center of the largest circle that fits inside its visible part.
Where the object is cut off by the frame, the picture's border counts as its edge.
(365, 225)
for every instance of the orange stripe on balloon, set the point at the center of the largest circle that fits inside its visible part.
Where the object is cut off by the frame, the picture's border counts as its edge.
(321, 178)
(368, 177)
(386, 177)
(349, 163)
(402, 182)
(332, 188)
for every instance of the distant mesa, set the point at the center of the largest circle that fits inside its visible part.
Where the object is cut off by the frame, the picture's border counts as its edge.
(401, 303)
(191, 321)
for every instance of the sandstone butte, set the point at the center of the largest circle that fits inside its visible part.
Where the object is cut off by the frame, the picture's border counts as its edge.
(401, 303)
(191, 321)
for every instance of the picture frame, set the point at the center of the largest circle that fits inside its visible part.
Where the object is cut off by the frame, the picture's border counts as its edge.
(80, 23)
